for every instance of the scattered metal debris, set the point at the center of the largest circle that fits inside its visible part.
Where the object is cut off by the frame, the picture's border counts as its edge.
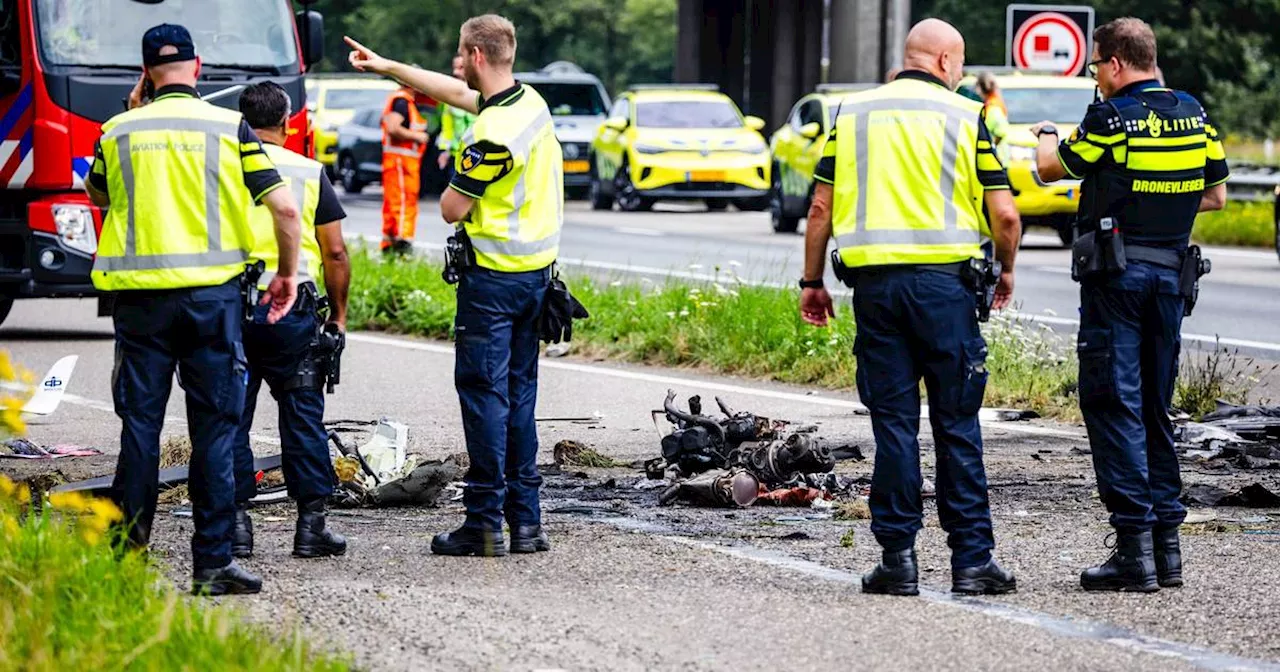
(20, 448)
(794, 470)
(169, 478)
(1254, 495)
(715, 488)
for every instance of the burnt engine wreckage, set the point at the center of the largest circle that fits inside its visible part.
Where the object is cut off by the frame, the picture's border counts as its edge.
(741, 458)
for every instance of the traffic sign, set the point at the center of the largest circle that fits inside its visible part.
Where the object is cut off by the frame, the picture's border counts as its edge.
(1049, 37)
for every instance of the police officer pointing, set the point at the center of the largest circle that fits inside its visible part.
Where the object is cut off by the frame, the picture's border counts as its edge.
(506, 198)
(286, 354)
(902, 185)
(180, 176)
(1151, 160)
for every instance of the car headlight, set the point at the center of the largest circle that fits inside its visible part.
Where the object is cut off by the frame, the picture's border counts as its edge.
(650, 149)
(75, 227)
(757, 147)
(1022, 153)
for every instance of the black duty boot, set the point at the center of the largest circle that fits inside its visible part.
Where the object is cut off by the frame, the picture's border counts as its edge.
(1131, 567)
(1168, 553)
(469, 541)
(988, 579)
(312, 539)
(242, 536)
(529, 539)
(229, 580)
(895, 575)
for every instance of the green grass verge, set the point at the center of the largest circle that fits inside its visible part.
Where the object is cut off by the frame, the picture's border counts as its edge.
(67, 603)
(725, 327)
(1245, 223)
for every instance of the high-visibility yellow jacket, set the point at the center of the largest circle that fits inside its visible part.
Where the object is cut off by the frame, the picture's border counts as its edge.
(909, 163)
(513, 167)
(302, 176)
(175, 172)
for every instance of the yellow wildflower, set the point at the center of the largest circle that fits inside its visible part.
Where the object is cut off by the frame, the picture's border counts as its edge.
(6, 367)
(11, 420)
(7, 488)
(106, 509)
(23, 495)
(69, 501)
(10, 526)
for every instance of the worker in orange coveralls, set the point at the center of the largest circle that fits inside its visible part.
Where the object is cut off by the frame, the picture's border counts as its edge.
(404, 139)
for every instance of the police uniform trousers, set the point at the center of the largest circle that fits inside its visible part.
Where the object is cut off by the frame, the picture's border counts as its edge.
(197, 332)
(920, 322)
(496, 375)
(1128, 348)
(275, 353)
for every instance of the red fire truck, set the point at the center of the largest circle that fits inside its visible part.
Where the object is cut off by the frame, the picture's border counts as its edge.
(66, 66)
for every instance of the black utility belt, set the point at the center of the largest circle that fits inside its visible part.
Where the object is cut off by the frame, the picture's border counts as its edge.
(979, 275)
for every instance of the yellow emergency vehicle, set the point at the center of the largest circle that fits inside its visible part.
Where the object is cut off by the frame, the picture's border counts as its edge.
(332, 101)
(679, 142)
(1032, 98)
(796, 148)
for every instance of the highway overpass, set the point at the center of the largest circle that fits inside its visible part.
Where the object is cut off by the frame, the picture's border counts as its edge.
(767, 53)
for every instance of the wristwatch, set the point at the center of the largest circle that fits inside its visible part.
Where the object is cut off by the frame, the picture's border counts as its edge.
(1048, 129)
(811, 284)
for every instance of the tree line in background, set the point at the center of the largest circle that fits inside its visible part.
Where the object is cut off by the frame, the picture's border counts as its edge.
(1225, 52)
(620, 41)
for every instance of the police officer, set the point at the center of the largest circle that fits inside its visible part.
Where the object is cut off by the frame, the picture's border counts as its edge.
(507, 197)
(180, 176)
(283, 354)
(902, 184)
(1150, 159)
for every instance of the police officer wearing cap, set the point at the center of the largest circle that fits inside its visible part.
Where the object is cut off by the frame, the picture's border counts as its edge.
(507, 197)
(1150, 159)
(179, 177)
(286, 354)
(907, 178)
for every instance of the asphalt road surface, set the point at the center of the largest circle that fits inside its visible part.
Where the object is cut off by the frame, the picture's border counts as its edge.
(633, 586)
(1237, 300)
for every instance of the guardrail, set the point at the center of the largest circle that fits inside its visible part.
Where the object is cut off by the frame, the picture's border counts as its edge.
(1253, 181)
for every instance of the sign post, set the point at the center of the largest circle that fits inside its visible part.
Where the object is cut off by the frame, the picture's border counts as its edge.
(1057, 38)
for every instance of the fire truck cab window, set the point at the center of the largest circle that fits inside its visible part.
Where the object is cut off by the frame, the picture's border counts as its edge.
(232, 33)
(10, 37)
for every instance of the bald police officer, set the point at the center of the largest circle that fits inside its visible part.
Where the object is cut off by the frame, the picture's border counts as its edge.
(904, 185)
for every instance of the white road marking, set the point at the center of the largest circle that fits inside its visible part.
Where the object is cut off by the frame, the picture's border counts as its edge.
(634, 231)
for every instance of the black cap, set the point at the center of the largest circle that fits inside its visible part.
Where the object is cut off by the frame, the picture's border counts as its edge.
(167, 35)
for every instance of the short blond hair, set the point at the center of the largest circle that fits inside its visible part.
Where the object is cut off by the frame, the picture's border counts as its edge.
(493, 35)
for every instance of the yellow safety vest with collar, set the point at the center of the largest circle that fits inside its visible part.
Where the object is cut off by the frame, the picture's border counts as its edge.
(906, 189)
(302, 176)
(515, 225)
(178, 215)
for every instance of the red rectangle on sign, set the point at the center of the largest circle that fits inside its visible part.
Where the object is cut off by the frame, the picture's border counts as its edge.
(1041, 42)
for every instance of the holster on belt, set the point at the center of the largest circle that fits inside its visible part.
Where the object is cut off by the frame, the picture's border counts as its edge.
(1194, 266)
(459, 255)
(843, 273)
(249, 292)
(981, 276)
